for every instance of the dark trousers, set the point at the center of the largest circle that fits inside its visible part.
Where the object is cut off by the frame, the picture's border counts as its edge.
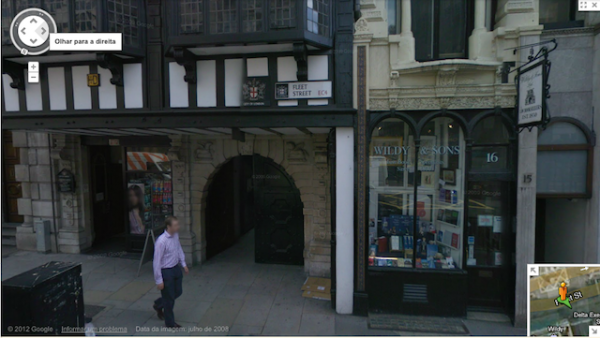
(172, 278)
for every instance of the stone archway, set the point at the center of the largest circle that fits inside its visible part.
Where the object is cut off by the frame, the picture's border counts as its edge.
(304, 158)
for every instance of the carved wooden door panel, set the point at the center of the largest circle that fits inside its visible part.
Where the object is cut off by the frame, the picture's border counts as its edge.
(279, 219)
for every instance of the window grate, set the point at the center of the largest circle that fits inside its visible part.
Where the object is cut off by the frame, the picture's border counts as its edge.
(415, 293)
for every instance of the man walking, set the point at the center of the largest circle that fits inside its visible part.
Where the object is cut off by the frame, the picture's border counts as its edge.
(167, 272)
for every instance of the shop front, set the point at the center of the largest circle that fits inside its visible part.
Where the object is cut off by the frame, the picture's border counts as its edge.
(440, 206)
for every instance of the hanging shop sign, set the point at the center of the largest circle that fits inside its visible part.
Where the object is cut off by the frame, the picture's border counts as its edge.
(303, 90)
(532, 94)
(254, 92)
(65, 181)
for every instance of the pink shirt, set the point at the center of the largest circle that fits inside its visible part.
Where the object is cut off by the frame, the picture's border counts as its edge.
(167, 254)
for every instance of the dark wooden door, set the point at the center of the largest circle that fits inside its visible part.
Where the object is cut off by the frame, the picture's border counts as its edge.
(279, 219)
(11, 188)
(99, 165)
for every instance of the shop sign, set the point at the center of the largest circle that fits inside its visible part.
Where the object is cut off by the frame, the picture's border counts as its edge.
(65, 181)
(254, 92)
(93, 80)
(532, 95)
(303, 90)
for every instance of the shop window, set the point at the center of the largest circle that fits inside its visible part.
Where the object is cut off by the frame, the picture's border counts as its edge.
(416, 196)
(149, 189)
(317, 16)
(564, 162)
(491, 152)
(557, 14)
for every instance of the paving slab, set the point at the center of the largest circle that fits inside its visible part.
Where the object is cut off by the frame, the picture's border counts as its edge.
(252, 316)
(284, 319)
(222, 312)
(317, 325)
(245, 330)
(132, 291)
(95, 296)
(234, 291)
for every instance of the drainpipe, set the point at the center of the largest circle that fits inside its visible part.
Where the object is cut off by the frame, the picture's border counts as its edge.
(52, 191)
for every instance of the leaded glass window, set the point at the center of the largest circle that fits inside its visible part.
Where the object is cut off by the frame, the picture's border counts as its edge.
(60, 12)
(282, 13)
(317, 14)
(191, 16)
(223, 16)
(59, 9)
(122, 18)
(86, 16)
(7, 15)
(252, 16)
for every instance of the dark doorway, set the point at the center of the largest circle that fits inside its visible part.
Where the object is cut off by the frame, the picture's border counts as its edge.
(253, 192)
(11, 191)
(107, 196)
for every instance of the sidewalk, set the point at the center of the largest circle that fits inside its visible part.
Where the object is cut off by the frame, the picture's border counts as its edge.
(229, 293)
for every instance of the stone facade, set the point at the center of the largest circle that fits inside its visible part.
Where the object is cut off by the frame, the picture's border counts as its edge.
(196, 159)
(304, 158)
(42, 156)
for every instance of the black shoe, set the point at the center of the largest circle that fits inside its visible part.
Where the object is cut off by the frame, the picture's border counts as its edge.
(159, 312)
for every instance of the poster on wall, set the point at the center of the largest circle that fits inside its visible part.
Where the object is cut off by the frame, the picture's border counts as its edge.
(136, 208)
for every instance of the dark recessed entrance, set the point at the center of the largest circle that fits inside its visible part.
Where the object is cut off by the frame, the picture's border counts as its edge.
(253, 192)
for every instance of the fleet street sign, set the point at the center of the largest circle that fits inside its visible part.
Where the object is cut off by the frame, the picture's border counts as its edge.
(303, 90)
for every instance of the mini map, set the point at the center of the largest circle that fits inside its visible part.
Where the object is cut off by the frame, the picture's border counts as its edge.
(564, 301)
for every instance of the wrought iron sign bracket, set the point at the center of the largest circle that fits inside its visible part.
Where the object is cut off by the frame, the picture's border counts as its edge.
(187, 59)
(114, 64)
(16, 73)
(300, 55)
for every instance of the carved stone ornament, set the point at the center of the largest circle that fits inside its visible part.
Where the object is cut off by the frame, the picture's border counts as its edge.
(361, 25)
(296, 152)
(204, 152)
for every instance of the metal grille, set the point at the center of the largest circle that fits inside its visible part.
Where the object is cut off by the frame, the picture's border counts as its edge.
(252, 16)
(223, 16)
(282, 13)
(317, 14)
(7, 16)
(415, 293)
(122, 18)
(86, 16)
(191, 16)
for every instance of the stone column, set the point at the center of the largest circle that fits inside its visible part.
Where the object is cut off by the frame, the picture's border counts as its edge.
(344, 220)
(180, 171)
(480, 41)
(36, 181)
(526, 205)
(404, 51)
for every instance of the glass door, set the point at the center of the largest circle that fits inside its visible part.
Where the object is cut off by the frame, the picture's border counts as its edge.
(489, 227)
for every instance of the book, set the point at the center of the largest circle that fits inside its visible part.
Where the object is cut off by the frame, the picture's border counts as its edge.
(382, 244)
(432, 250)
(455, 240)
(395, 244)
